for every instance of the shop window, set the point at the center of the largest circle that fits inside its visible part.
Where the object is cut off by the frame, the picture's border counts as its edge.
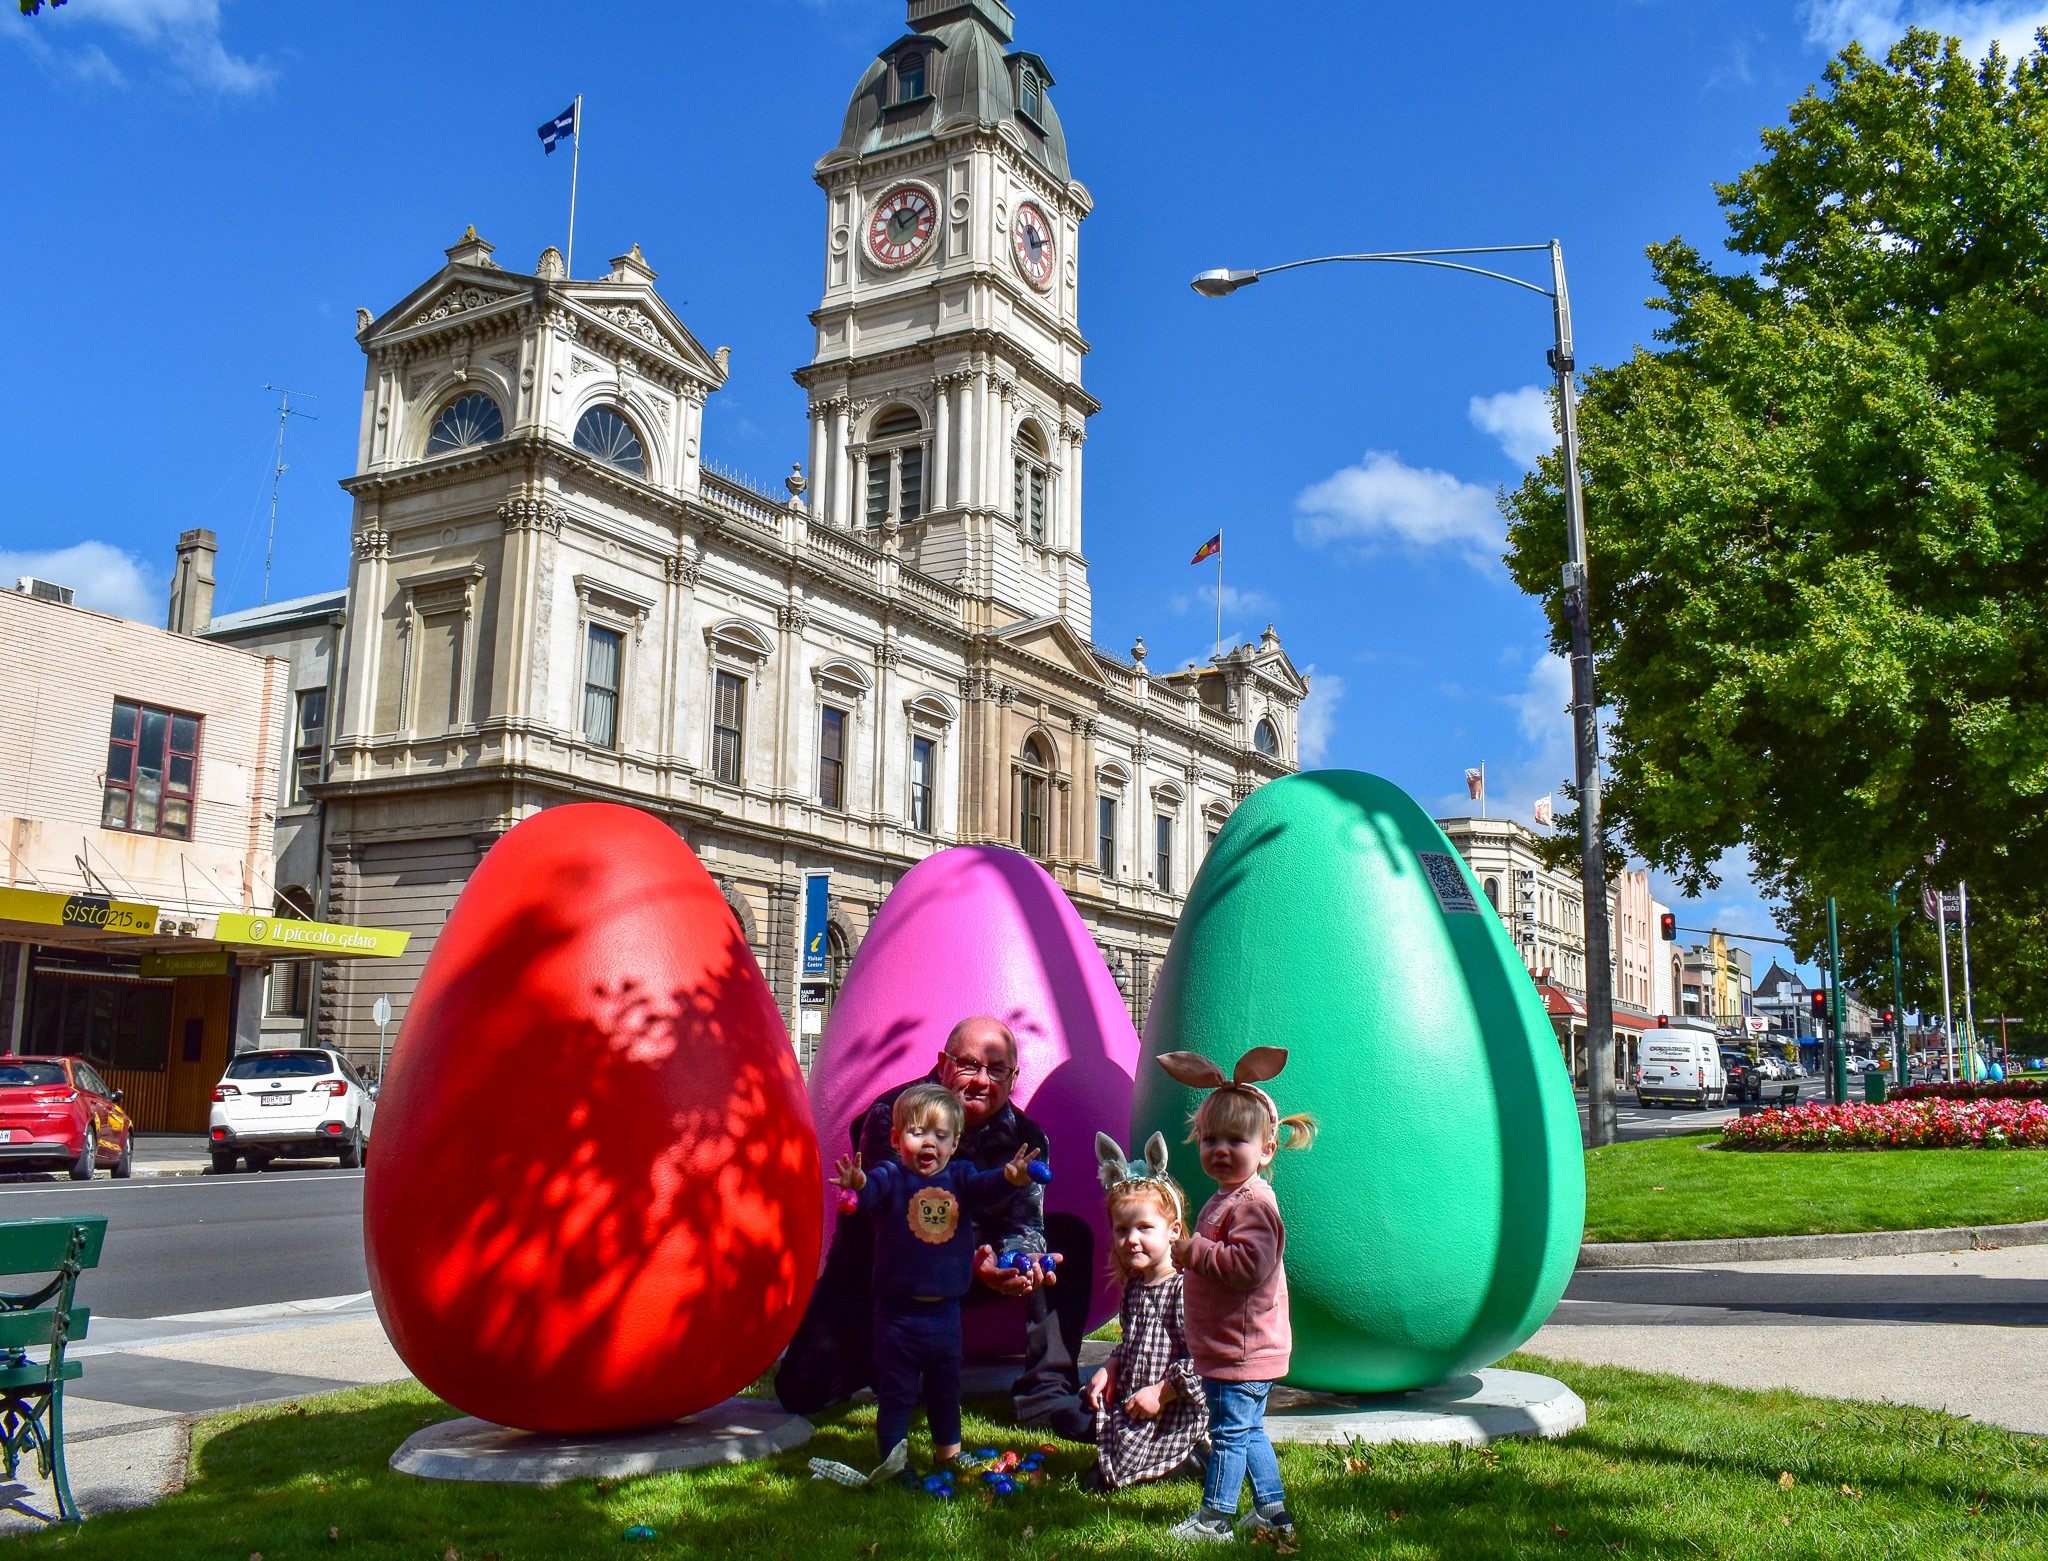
(152, 764)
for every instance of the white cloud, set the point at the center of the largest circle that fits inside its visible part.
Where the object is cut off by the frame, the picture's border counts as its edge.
(183, 36)
(1383, 501)
(1876, 23)
(1319, 715)
(1235, 601)
(105, 578)
(1520, 420)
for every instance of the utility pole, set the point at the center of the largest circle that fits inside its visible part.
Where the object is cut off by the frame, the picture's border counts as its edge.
(1898, 998)
(285, 410)
(1838, 1065)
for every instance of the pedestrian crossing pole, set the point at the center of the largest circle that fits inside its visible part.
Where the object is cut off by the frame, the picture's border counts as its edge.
(1838, 1070)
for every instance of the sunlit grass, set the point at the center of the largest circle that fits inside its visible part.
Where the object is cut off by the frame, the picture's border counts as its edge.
(1683, 1188)
(1665, 1467)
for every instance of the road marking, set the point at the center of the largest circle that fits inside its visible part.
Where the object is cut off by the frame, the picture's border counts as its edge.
(165, 1183)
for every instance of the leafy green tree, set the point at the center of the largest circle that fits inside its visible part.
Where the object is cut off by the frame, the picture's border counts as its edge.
(1818, 510)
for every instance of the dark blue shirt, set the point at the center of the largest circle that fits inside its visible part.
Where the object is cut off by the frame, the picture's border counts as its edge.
(924, 1227)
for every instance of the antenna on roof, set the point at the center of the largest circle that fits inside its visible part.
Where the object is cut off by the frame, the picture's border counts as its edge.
(284, 410)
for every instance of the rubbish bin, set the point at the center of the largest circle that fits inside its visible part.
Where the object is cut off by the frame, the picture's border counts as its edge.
(1873, 1088)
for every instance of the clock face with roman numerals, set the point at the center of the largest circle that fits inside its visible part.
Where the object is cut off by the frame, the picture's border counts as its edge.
(1031, 238)
(901, 226)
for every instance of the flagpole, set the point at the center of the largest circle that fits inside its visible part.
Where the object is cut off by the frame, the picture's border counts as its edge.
(575, 157)
(1969, 1007)
(1219, 590)
(1948, 1026)
(1482, 789)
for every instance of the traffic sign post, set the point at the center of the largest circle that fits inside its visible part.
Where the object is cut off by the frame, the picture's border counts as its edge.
(381, 1012)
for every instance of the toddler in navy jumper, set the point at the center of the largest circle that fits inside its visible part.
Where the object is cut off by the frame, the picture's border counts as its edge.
(922, 1209)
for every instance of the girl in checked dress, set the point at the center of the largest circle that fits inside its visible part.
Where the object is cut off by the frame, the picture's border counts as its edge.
(1149, 1411)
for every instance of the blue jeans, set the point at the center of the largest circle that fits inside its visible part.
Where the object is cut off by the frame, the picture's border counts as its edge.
(917, 1341)
(1237, 1433)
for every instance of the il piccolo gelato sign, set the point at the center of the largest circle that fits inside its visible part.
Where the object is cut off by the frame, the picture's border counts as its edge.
(311, 938)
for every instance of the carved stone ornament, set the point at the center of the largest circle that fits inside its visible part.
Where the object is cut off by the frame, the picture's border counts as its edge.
(1141, 752)
(456, 300)
(418, 383)
(1191, 772)
(507, 359)
(581, 366)
(889, 654)
(791, 618)
(532, 512)
(683, 570)
(634, 321)
(364, 319)
(373, 542)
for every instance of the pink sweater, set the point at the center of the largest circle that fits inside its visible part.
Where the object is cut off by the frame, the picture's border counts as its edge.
(1237, 1328)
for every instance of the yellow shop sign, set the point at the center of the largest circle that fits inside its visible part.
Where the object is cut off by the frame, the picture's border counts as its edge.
(43, 909)
(311, 938)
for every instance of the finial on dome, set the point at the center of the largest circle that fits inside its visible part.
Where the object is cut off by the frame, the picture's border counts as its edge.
(549, 268)
(930, 15)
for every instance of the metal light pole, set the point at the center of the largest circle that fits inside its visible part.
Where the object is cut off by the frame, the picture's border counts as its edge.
(1600, 1083)
(1898, 999)
(1838, 1060)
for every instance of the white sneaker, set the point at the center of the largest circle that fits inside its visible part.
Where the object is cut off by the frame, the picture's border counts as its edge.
(1205, 1527)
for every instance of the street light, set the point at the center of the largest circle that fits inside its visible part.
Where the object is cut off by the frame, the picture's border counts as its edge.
(1585, 705)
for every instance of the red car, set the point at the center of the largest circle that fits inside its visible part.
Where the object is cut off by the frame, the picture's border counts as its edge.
(56, 1114)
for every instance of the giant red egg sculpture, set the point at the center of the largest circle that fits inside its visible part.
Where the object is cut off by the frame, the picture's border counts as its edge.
(592, 1200)
(981, 930)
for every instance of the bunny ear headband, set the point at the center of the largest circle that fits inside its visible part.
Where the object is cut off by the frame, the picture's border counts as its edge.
(1149, 1172)
(1252, 1070)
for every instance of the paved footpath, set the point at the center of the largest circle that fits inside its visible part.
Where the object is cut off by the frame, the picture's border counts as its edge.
(1961, 1331)
(128, 1420)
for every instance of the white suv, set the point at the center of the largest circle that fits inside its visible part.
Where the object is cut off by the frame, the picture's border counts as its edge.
(291, 1104)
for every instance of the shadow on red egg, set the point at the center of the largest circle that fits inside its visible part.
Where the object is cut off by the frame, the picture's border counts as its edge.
(592, 1199)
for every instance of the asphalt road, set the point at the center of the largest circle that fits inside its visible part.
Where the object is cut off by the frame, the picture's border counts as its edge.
(203, 1243)
(1780, 1295)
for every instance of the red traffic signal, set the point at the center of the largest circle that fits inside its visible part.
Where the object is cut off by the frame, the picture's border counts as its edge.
(1889, 1016)
(1819, 999)
(1667, 927)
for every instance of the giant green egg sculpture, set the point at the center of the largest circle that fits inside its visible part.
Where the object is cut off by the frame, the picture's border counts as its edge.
(1435, 1222)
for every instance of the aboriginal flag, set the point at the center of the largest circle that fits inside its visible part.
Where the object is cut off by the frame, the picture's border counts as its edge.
(1210, 549)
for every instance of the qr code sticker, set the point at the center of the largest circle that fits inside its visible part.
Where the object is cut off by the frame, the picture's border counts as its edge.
(1453, 894)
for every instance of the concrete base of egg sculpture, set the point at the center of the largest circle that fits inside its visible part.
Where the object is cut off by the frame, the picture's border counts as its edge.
(1433, 1226)
(981, 930)
(593, 1204)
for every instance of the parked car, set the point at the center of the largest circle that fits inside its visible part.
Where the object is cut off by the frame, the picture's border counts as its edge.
(57, 1114)
(1680, 1064)
(1745, 1081)
(291, 1104)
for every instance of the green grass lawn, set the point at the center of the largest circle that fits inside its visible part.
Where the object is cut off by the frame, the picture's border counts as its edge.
(1664, 1468)
(1681, 1189)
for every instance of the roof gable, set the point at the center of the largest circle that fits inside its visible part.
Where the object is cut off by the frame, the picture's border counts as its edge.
(1051, 639)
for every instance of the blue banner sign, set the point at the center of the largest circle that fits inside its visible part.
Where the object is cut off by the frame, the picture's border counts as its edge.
(816, 892)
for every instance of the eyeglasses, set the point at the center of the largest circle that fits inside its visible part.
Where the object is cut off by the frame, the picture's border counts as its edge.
(967, 1068)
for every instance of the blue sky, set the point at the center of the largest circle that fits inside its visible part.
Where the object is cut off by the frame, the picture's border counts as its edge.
(206, 190)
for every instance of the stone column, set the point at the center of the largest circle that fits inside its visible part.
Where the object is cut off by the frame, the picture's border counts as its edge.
(983, 421)
(860, 489)
(820, 441)
(837, 470)
(942, 447)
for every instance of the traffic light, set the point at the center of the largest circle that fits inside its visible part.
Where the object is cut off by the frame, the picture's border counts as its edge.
(1889, 1016)
(1667, 927)
(1819, 999)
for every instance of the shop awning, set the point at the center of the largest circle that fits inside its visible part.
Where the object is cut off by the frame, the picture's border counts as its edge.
(1559, 1003)
(91, 920)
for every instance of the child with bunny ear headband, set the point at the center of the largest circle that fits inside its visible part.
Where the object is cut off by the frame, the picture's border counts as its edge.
(1147, 1397)
(1236, 1288)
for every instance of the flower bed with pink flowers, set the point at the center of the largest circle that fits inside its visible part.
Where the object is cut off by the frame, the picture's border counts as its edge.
(1897, 1124)
(2010, 1089)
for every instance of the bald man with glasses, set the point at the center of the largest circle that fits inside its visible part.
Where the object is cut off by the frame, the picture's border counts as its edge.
(832, 1356)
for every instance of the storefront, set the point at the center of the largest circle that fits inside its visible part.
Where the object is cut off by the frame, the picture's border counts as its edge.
(155, 1000)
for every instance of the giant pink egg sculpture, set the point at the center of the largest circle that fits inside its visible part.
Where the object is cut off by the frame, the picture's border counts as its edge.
(981, 930)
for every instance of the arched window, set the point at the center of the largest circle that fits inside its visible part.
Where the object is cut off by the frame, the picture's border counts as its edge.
(909, 77)
(467, 420)
(604, 433)
(1264, 738)
(1030, 95)
(895, 467)
(1493, 892)
(1033, 773)
(1028, 491)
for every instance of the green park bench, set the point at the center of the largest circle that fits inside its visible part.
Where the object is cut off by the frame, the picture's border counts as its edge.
(41, 1320)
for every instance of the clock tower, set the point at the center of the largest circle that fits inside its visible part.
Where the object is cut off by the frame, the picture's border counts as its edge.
(947, 414)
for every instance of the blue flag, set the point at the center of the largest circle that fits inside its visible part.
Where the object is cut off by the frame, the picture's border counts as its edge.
(563, 124)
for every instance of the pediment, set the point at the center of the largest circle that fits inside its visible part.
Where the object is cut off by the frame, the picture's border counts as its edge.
(453, 293)
(1052, 639)
(636, 312)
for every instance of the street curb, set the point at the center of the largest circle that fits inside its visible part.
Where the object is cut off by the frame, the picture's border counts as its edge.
(1762, 1249)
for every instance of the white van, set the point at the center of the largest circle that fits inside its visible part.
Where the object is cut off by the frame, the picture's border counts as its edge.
(1681, 1063)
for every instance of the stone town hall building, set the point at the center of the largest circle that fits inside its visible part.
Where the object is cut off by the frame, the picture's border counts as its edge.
(553, 596)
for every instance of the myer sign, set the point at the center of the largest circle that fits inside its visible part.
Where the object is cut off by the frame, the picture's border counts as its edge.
(311, 937)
